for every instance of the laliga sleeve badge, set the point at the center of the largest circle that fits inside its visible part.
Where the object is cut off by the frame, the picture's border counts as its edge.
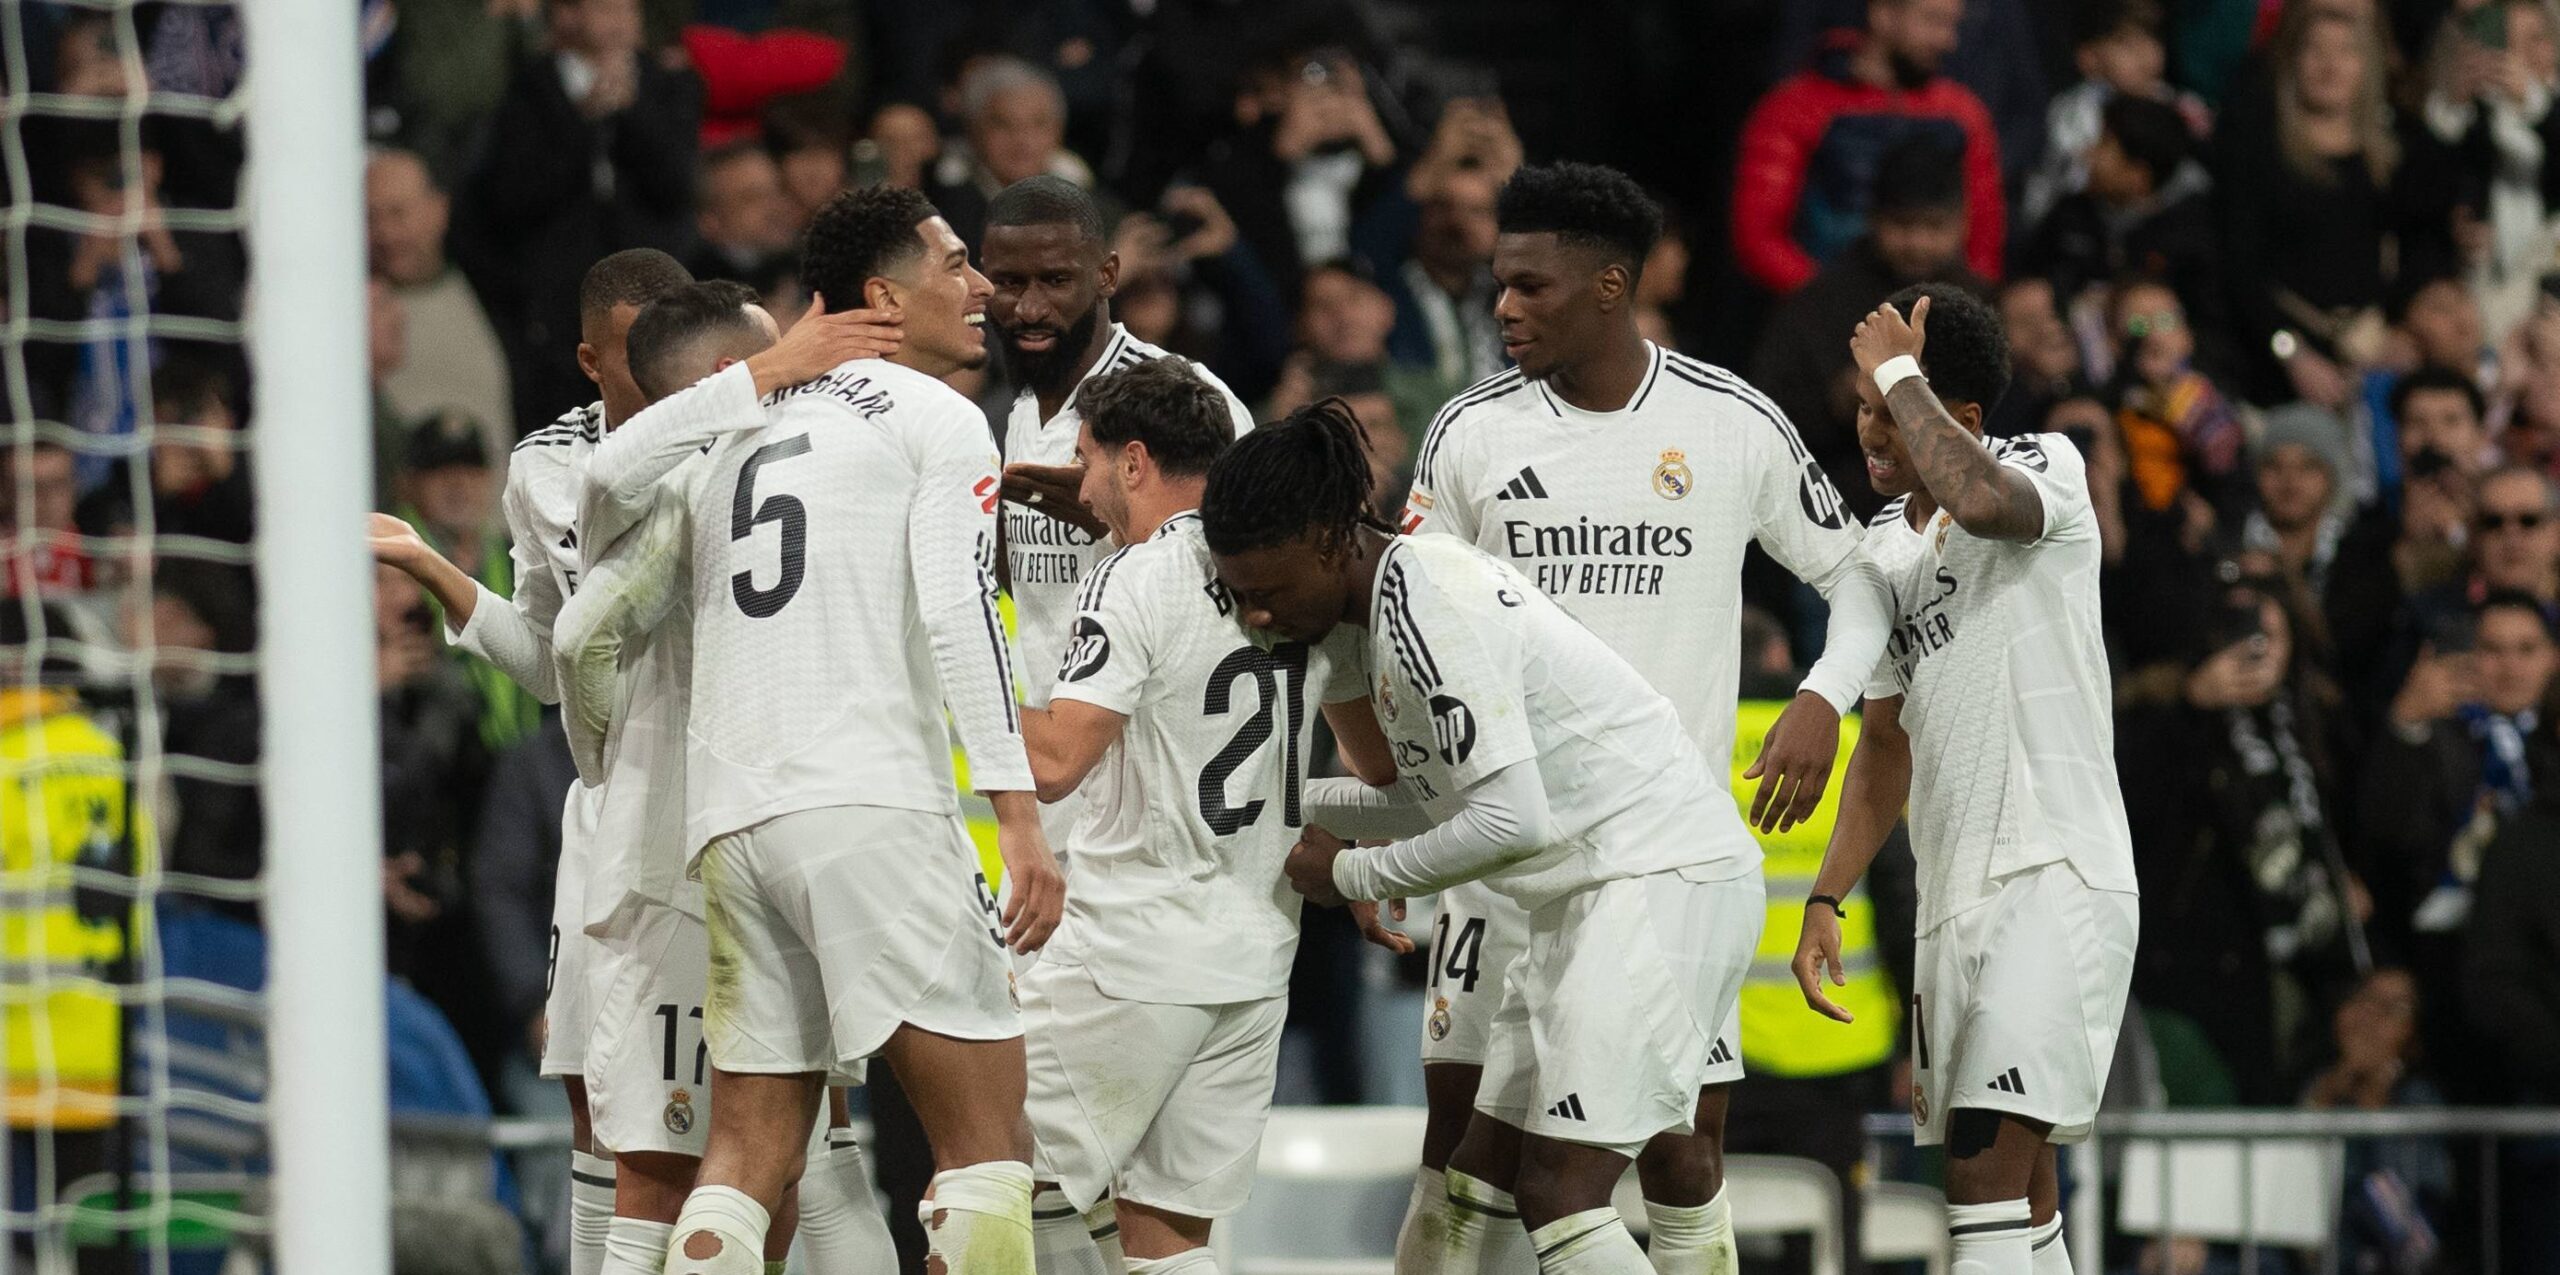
(679, 1113)
(1439, 1024)
(1671, 478)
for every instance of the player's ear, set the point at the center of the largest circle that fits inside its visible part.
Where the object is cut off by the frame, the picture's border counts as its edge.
(1968, 415)
(1615, 285)
(880, 294)
(1110, 276)
(590, 362)
(1133, 461)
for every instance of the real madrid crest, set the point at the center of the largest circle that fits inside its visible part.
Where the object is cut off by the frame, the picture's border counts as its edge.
(1439, 1024)
(1386, 699)
(1919, 1106)
(1671, 478)
(679, 1113)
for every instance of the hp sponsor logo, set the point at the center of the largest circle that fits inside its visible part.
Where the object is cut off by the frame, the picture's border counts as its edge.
(1821, 500)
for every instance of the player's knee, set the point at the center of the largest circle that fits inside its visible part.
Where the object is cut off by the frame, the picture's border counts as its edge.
(1684, 1171)
(1556, 1182)
(1971, 1131)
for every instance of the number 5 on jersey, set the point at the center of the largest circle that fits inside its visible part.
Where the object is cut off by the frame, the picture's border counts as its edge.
(745, 515)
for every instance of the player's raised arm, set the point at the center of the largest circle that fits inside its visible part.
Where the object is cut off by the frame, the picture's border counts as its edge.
(626, 594)
(512, 634)
(1984, 497)
(1871, 801)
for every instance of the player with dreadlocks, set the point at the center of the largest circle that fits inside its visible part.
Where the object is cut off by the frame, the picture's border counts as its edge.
(1529, 756)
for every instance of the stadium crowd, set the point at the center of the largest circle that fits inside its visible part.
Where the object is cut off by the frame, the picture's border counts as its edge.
(2288, 271)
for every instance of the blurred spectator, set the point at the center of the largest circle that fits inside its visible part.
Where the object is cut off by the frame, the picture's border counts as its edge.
(45, 557)
(449, 493)
(2488, 98)
(2133, 221)
(2451, 768)
(2314, 207)
(1812, 167)
(2435, 324)
(1016, 122)
(2232, 785)
(515, 852)
(199, 613)
(811, 141)
(2117, 50)
(1664, 281)
(450, 62)
(1995, 56)
(2044, 361)
(1343, 320)
(199, 486)
(746, 220)
(2180, 436)
(591, 151)
(115, 277)
(742, 72)
(2511, 995)
(903, 140)
(1190, 283)
(1433, 245)
(2299, 519)
(1310, 154)
(449, 355)
(2398, 1190)
(1917, 232)
(2397, 549)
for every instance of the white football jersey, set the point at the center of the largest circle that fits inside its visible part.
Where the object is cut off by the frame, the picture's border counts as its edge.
(640, 850)
(1178, 896)
(844, 596)
(1045, 558)
(1473, 669)
(2002, 670)
(1635, 521)
(540, 502)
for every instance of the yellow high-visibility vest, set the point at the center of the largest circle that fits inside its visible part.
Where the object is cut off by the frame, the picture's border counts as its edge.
(1780, 1036)
(62, 801)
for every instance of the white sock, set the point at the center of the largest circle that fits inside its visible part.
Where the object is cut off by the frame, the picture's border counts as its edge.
(841, 1225)
(1592, 1242)
(636, 1246)
(977, 1219)
(1425, 1233)
(1061, 1242)
(590, 1211)
(730, 1216)
(1480, 1216)
(1102, 1224)
(1692, 1239)
(1190, 1261)
(2051, 1252)
(1990, 1239)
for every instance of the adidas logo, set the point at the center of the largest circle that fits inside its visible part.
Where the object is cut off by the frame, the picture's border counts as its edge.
(1569, 1109)
(1523, 486)
(1720, 1055)
(2009, 1083)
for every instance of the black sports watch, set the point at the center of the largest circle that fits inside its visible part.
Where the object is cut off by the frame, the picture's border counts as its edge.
(1828, 901)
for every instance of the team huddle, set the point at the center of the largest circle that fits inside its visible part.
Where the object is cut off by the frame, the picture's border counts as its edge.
(762, 577)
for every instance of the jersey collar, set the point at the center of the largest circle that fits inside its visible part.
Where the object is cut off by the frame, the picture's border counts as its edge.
(1644, 388)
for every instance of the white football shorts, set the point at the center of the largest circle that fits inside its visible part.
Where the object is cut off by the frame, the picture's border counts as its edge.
(1626, 1003)
(1475, 937)
(831, 927)
(648, 1064)
(567, 1018)
(2017, 1003)
(1161, 1105)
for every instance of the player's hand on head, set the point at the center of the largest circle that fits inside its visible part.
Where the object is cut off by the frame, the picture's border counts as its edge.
(1310, 866)
(1817, 955)
(820, 341)
(1885, 334)
(1377, 931)
(1794, 764)
(1035, 891)
(1055, 490)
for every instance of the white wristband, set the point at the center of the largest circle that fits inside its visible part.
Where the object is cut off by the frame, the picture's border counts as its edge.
(1892, 371)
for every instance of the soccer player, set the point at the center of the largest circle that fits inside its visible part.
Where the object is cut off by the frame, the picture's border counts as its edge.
(1153, 1018)
(1992, 714)
(843, 598)
(1050, 260)
(625, 653)
(1625, 481)
(1547, 768)
(514, 635)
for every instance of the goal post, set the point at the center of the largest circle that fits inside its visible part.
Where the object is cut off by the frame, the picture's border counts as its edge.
(303, 193)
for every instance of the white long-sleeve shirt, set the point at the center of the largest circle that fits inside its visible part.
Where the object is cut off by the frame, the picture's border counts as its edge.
(541, 507)
(843, 594)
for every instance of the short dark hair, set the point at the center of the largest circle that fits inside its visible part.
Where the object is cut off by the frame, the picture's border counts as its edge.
(633, 277)
(1164, 404)
(859, 236)
(2413, 284)
(2513, 600)
(1585, 204)
(1966, 356)
(2105, 19)
(816, 120)
(1045, 199)
(2438, 379)
(1306, 472)
(673, 324)
(728, 153)
(2150, 133)
(1921, 171)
